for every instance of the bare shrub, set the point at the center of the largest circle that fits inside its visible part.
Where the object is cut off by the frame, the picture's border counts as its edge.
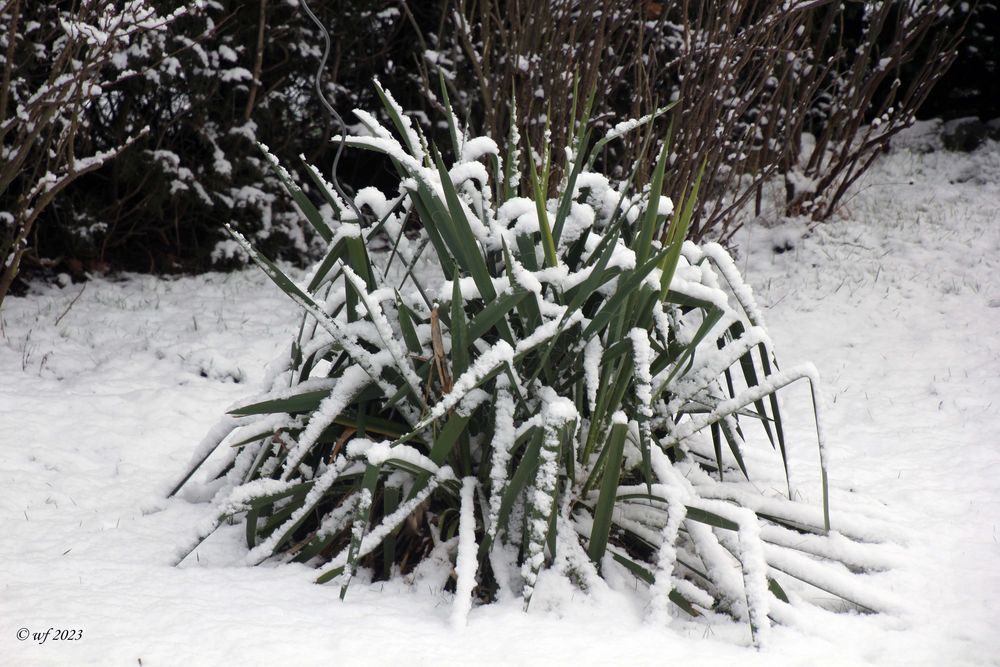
(865, 84)
(536, 61)
(751, 76)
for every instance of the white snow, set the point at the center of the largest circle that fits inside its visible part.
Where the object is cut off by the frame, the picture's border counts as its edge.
(475, 148)
(353, 380)
(592, 355)
(263, 550)
(413, 140)
(465, 562)
(896, 301)
(503, 440)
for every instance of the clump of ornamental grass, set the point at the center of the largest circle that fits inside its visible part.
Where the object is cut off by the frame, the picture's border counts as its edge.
(521, 383)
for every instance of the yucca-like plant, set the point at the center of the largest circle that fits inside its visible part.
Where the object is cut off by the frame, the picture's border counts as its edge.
(520, 383)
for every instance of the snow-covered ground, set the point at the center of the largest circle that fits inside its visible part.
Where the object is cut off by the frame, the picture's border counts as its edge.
(103, 400)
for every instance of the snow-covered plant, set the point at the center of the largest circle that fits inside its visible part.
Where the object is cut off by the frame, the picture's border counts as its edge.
(519, 386)
(58, 63)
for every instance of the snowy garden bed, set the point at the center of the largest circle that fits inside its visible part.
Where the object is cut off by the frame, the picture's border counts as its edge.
(897, 303)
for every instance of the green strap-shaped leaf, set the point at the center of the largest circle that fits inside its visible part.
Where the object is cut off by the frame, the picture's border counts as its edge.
(494, 313)
(512, 167)
(686, 300)
(676, 233)
(643, 245)
(334, 255)
(627, 284)
(644, 573)
(362, 516)
(390, 501)
(542, 505)
(750, 376)
(260, 505)
(735, 441)
(269, 429)
(526, 252)
(459, 330)
(566, 201)
(358, 354)
(463, 242)
(305, 402)
(433, 215)
(357, 255)
(301, 201)
(636, 124)
(765, 361)
(605, 506)
(710, 519)
(445, 441)
(686, 359)
(405, 316)
(691, 513)
(526, 308)
(539, 195)
(280, 518)
(525, 470)
(251, 528)
(449, 113)
(373, 424)
(717, 447)
(776, 589)
(396, 119)
(577, 296)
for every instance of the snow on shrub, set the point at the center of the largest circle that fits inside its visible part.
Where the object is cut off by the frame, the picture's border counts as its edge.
(521, 383)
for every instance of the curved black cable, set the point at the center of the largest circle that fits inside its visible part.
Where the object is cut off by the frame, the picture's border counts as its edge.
(333, 112)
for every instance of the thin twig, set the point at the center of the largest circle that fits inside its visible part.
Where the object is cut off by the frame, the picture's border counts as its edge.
(70, 306)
